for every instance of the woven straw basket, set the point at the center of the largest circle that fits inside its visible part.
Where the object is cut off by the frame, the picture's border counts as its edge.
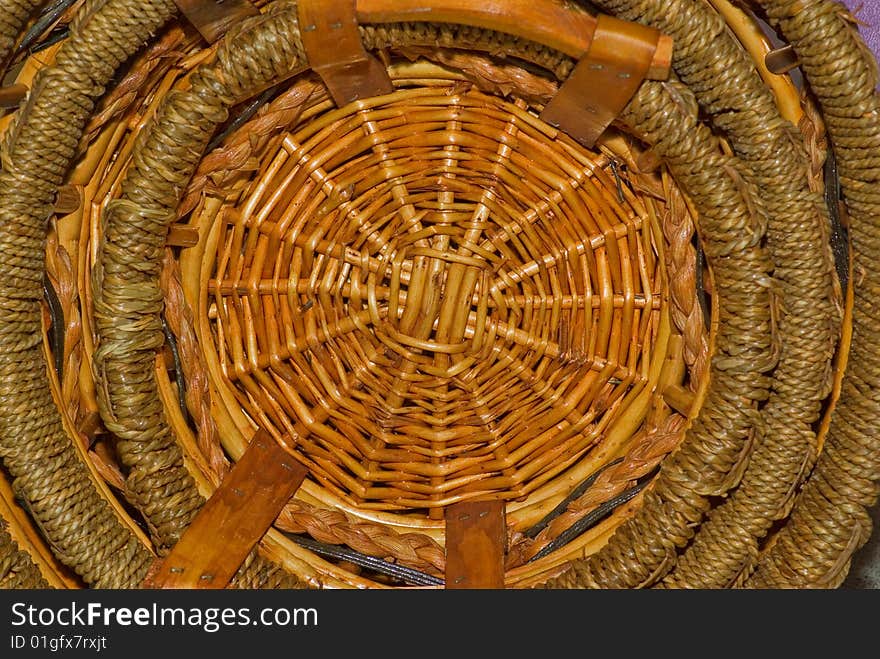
(650, 357)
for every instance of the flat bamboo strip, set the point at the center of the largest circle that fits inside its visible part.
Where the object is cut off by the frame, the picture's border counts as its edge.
(476, 541)
(232, 521)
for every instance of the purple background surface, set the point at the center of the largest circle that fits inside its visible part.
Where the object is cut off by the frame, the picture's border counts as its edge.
(868, 14)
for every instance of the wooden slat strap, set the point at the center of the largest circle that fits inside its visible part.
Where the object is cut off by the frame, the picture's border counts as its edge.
(213, 18)
(782, 60)
(233, 520)
(562, 26)
(12, 96)
(182, 235)
(476, 542)
(333, 47)
(621, 56)
(68, 199)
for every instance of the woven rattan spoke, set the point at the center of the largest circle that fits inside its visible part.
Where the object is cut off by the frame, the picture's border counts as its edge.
(461, 283)
(424, 309)
(308, 289)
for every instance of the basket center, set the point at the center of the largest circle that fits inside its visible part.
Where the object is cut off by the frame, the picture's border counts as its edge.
(434, 299)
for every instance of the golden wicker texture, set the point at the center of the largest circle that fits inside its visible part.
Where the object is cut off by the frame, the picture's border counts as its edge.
(432, 297)
(489, 384)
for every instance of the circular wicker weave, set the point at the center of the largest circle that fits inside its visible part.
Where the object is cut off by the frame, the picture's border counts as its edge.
(432, 297)
(438, 314)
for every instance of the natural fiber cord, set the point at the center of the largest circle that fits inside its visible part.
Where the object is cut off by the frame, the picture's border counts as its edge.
(433, 297)
(728, 88)
(35, 448)
(13, 16)
(830, 520)
(17, 570)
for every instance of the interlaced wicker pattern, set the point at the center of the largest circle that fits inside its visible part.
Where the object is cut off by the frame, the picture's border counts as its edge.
(432, 296)
(435, 300)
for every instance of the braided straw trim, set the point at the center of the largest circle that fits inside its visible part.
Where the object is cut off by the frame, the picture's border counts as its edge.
(493, 77)
(36, 450)
(711, 458)
(198, 398)
(723, 78)
(416, 550)
(647, 453)
(218, 169)
(221, 167)
(59, 268)
(830, 520)
(102, 551)
(687, 314)
(60, 271)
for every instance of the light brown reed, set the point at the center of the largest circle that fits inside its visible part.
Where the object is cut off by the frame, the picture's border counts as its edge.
(432, 297)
